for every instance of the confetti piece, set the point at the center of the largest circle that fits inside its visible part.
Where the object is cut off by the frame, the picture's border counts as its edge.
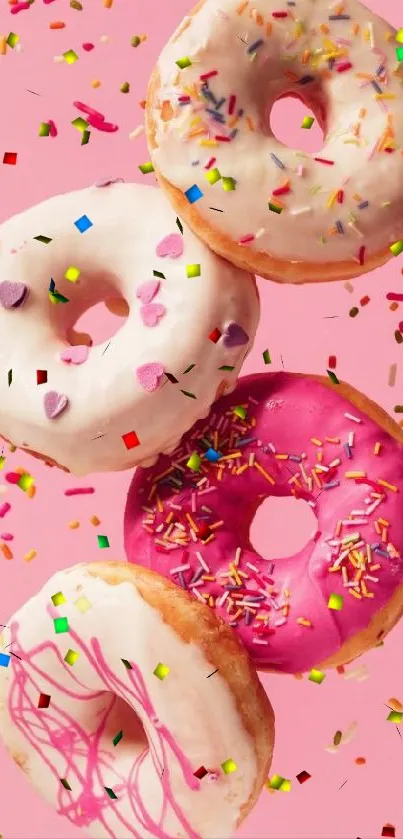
(266, 357)
(277, 782)
(108, 790)
(161, 671)
(146, 168)
(103, 541)
(58, 598)
(135, 41)
(4, 660)
(303, 776)
(275, 208)
(389, 831)
(335, 602)
(65, 784)
(44, 129)
(41, 377)
(83, 224)
(44, 700)
(194, 462)
(72, 274)
(61, 625)
(117, 738)
(13, 40)
(228, 184)
(70, 57)
(71, 657)
(332, 376)
(130, 440)
(307, 122)
(125, 87)
(82, 605)
(193, 194)
(229, 766)
(240, 412)
(183, 62)
(179, 224)
(215, 336)
(193, 271)
(187, 393)
(395, 716)
(316, 676)
(126, 664)
(10, 158)
(200, 773)
(397, 247)
(213, 176)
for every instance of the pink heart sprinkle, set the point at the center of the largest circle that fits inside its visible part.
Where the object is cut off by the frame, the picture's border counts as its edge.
(12, 295)
(75, 355)
(149, 375)
(147, 291)
(54, 404)
(171, 246)
(151, 313)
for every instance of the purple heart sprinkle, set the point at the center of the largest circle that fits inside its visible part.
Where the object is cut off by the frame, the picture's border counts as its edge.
(235, 335)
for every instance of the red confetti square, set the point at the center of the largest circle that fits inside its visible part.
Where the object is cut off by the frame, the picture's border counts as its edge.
(200, 773)
(41, 377)
(203, 531)
(303, 776)
(332, 362)
(389, 830)
(10, 157)
(215, 336)
(130, 440)
(44, 700)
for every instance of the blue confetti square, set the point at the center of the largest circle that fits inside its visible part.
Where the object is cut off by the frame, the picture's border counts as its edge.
(83, 224)
(4, 660)
(212, 455)
(193, 194)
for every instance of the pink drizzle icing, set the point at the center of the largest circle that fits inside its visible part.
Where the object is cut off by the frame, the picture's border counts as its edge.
(54, 728)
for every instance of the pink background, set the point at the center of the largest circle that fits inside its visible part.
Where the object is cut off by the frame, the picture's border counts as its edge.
(303, 326)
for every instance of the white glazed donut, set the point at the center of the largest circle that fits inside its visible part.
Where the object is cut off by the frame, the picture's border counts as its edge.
(192, 319)
(284, 214)
(132, 709)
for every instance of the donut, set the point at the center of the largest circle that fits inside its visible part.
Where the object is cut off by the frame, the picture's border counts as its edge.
(133, 709)
(270, 209)
(282, 434)
(191, 321)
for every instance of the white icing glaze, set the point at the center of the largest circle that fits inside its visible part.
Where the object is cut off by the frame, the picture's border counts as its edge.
(116, 257)
(72, 739)
(347, 100)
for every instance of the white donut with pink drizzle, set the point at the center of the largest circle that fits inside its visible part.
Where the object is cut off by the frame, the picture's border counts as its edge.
(113, 717)
(191, 321)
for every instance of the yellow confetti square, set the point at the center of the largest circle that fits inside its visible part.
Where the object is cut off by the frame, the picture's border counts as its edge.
(161, 671)
(72, 274)
(229, 766)
(71, 657)
(83, 605)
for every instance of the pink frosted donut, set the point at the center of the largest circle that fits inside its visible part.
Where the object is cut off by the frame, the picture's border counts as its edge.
(132, 709)
(282, 434)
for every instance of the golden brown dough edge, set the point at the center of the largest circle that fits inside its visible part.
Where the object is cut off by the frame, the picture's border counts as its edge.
(257, 262)
(195, 622)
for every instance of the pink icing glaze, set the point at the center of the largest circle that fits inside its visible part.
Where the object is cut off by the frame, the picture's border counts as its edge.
(88, 800)
(265, 600)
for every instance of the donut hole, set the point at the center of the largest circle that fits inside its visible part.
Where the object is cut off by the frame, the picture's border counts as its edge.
(123, 718)
(282, 527)
(99, 323)
(286, 119)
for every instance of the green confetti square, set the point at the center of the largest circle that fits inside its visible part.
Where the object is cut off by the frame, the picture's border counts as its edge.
(161, 671)
(26, 481)
(179, 225)
(399, 53)
(103, 541)
(193, 271)
(194, 462)
(229, 766)
(316, 676)
(71, 657)
(182, 63)
(228, 184)
(396, 248)
(275, 208)
(158, 274)
(240, 412)
(58, 598)
(146, 168)
(275, 782)
(332, 376)
(61, 625)
(110, 792)
(44, 129)
(12, 40)
(212, 176)
(72, 274)
(336, 602)
(83, 605)
(80, 123)
(266, 357)
(70, 57)
(307, 122)
(85, 138)
(10, 377)
(44, 239)
(395, 716)
(65, 784)
(117, 738)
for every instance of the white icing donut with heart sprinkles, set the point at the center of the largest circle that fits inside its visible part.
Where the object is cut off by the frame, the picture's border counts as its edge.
(191, 321)
(283, 214)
